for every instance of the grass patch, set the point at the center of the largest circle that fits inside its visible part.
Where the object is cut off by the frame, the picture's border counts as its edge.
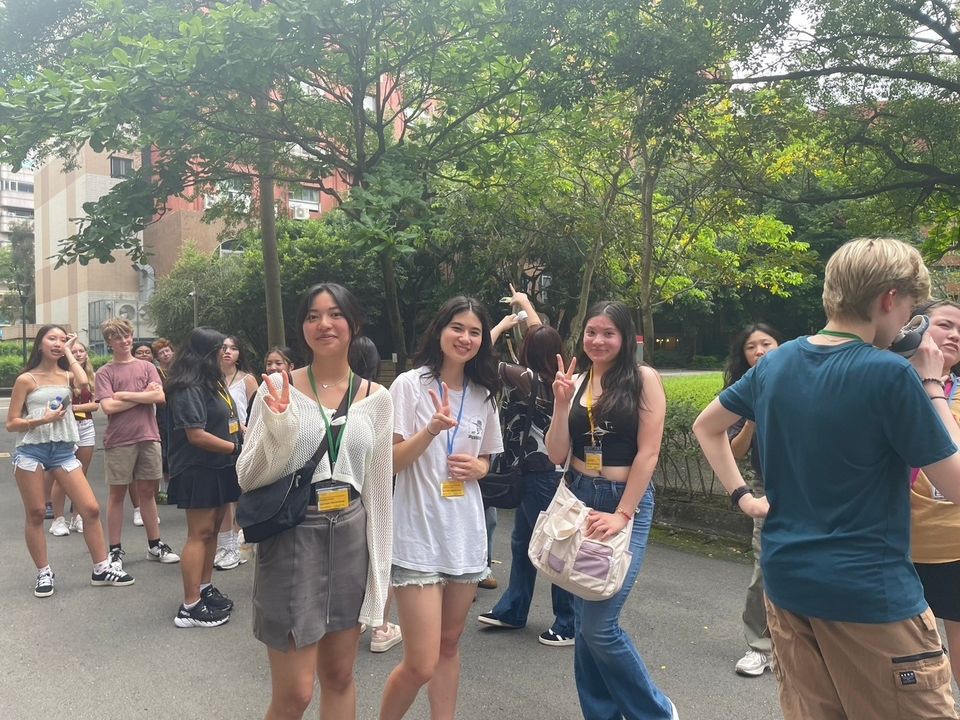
(700, 543)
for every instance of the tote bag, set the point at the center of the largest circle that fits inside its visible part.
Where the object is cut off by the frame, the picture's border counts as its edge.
(560, 550)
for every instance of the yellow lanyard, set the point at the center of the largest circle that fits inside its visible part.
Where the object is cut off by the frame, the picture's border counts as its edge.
(593, 426)
(225, 394)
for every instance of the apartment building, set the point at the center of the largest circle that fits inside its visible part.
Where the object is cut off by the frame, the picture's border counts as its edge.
(16, 200)
(83, 296)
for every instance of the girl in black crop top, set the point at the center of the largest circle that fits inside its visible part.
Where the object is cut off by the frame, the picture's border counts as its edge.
(609, 421)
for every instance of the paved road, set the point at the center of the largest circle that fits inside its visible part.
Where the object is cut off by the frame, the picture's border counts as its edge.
(114, 653)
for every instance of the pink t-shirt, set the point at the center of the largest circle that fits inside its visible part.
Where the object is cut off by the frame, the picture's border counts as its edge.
(139, 423)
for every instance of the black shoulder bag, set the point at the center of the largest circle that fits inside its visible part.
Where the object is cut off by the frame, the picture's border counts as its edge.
(505, 489)
(279, 506)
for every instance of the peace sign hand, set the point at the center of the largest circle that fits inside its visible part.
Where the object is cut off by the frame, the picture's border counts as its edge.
(442, 419)
(277, 400)
(563, 384)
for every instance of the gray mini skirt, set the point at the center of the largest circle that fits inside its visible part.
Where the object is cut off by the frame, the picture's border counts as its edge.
(311, 579)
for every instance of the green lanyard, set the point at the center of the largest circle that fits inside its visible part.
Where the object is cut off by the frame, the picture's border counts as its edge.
(334, 447)
(838, 334)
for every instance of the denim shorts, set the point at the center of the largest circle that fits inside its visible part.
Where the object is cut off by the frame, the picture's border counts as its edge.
(402, 577)
(49, 456)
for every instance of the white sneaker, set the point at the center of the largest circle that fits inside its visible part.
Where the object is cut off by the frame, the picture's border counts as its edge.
(162, 553)
(76, 525)
(382, 640)
(59, 527)
(753, 664)
(137, 519)
(228, 560)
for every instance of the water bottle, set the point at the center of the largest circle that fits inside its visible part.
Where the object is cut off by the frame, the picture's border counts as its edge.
(56, 403)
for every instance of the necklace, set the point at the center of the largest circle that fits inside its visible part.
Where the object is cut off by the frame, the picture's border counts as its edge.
(838, 334)
(335, 382)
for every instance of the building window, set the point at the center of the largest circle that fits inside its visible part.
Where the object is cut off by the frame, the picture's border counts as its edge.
(304, 194)
(121, 167)
(14, 186)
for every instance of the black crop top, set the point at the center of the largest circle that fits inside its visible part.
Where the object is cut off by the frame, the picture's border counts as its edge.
(619, 448)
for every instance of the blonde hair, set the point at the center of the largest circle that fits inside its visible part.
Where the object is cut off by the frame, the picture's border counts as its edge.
(115, 327)
(87, 367)
(863, 269)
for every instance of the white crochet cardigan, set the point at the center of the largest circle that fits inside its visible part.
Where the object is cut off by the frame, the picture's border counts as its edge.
(277, 444)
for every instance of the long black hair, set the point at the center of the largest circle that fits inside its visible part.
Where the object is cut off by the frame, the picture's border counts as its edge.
(620, 400)
(482, 367)
(737, 364)
(364, 358)
(242, 363)
(35, 354)
(198, 362)
(344, 300)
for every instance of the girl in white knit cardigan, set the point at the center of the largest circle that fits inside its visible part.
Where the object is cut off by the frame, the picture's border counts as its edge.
(316, 582)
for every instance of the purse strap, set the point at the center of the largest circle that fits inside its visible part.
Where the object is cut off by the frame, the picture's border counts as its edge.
(341, 410)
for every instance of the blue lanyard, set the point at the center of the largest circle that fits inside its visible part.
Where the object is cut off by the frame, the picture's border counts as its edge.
(452, 438)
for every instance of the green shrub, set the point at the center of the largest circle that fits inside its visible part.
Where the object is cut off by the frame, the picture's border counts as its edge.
(10, 367)
(100, 360)
(706, 362)
(697, 390)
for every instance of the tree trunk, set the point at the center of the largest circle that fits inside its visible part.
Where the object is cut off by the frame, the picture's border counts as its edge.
(276, 333)
(646, 272)
(576, 324)
(392, 298)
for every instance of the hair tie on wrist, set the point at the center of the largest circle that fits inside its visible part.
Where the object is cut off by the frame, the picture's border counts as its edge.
(434, 434)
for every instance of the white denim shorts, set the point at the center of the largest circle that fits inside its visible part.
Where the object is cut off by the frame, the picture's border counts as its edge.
(88, 434)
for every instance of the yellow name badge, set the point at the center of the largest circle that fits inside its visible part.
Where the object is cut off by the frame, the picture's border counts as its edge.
(593, 458)
(453, 489)
(234, 426)
(334, 499)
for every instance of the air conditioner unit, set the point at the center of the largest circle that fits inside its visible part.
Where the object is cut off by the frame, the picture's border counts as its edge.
(127, 312)
(301, 213)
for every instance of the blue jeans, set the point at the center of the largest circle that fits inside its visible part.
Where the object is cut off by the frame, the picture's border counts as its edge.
(612, 680)
(514, 604)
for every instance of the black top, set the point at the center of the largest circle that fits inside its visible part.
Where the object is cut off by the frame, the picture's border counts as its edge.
(197, 407)
(517, 384)
(732, 432)
(618, 445)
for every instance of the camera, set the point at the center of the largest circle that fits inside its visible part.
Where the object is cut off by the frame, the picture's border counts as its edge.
(908, 339)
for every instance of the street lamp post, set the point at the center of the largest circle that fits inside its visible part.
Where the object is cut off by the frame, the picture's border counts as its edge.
(194, 296)
(23, 323)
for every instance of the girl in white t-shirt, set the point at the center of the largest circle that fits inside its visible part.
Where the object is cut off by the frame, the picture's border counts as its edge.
(445, 430)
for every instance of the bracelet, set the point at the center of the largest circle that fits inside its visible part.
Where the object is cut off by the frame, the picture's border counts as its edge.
(621, 511)
(434, 434)
(938, 397)
(938, 381)
(739, 493)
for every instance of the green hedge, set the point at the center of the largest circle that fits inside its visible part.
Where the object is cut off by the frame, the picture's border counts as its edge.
(681, 468)
(12, 365)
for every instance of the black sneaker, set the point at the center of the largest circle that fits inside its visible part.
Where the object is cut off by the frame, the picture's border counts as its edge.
(113, 576)
(200, 615)
(215, 600)
(44, 586)
(549, 637)
(116, 558)
(493, 621)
